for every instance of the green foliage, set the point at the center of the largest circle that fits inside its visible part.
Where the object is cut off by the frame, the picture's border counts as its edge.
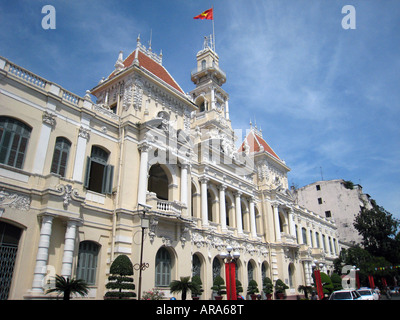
(305, 289)
(219, 286)
(280, 286)
(267, 285)
(199, 288)
(336, 281)
(68, 287)
(348, 185)
(380, 233)
(327, 284)
(239, 287)
(119, 280)
(252, 288)
(183, 285)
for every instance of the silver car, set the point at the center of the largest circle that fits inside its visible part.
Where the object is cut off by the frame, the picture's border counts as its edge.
(345, 295)
(367, 294)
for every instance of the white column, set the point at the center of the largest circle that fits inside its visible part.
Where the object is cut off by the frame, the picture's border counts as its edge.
(48, 124)
(238, 208)
(222, 206)
(184, 183)
(69, 246)
(79, 163)
(144, 159)
(277, 227)
(204, 205)
(212, 99)
(42, 255)
(226, 109)
(252, 218)
(291, 223)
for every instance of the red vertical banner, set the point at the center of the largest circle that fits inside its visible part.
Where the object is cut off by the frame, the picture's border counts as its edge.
(371, 282)
(228, 282)
(320, 290)
(233, 281)
(358, 280)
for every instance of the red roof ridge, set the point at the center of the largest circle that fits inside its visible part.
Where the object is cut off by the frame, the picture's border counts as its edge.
(148, 61)
(259, 145)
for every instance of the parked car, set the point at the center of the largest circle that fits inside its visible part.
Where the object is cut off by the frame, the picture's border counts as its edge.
(345, 295)
(394, 290)
(367, 294)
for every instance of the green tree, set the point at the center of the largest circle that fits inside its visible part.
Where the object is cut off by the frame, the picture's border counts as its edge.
(68, 287)
(197, 291)
(183, 285)
(336, 281)
(379, 231)
(327, 284)
(121, 271)
(219, 286)
(267, 285)
(252, 288)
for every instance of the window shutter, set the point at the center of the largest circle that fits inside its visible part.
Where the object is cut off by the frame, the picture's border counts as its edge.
(108, 179)
(87, 174)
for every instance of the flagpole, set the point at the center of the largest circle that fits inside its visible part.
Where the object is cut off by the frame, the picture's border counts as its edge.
(213, 29)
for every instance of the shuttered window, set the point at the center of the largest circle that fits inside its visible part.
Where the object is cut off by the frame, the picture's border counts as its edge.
(163, 268)
(99, 174)
(60, 156)
(87, 261)
(14, 137)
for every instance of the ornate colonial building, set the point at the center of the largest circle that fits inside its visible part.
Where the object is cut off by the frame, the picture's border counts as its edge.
(76, 177)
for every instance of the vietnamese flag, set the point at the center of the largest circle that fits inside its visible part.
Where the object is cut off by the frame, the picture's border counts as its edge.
(207, 15)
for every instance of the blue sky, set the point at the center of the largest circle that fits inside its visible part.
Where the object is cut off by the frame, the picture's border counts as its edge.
(326, 98)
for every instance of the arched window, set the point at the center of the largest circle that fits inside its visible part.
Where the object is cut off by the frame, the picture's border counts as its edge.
(216, 268)
(158, 182)
(87, 261)
(9, 239)
(163, 268)
(60, 156)
(14, 137)
(99, 174)
(304, 235)
(196, 266)
(250, 271)
(203, 64)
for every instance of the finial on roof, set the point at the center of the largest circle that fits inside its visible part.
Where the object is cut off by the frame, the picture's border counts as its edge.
(119, 64)
(251, 124)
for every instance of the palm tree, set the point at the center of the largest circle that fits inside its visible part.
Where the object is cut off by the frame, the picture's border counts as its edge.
(183, 285)
(68, 287)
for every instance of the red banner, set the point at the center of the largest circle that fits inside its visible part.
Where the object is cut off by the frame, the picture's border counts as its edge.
(230, 273)
(371, 282)
(320, 290)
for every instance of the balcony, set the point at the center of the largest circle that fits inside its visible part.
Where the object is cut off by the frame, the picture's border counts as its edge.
(164, 207)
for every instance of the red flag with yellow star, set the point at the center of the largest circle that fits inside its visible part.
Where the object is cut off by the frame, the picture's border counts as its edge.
(206, 15)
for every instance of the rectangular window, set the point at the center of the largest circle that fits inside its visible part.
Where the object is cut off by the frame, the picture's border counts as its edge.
(318, 187)
(319, 200)
(99, 174)
(328, 214)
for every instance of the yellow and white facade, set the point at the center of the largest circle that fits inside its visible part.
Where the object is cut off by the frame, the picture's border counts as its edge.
(73, 173)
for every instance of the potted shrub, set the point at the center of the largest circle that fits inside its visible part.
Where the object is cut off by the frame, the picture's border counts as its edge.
(280, 288)
(219, 287)
(252, 289)
(268, 287)
(305, 289)
(239, 288)
(197, 291)
(183, 285)
(121, 271)
(68, 287)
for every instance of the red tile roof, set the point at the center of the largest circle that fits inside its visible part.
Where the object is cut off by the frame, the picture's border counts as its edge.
(255, 143)
(152, 66)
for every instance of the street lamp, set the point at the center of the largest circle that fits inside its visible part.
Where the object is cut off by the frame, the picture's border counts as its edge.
(144, 223)
(230, 271)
